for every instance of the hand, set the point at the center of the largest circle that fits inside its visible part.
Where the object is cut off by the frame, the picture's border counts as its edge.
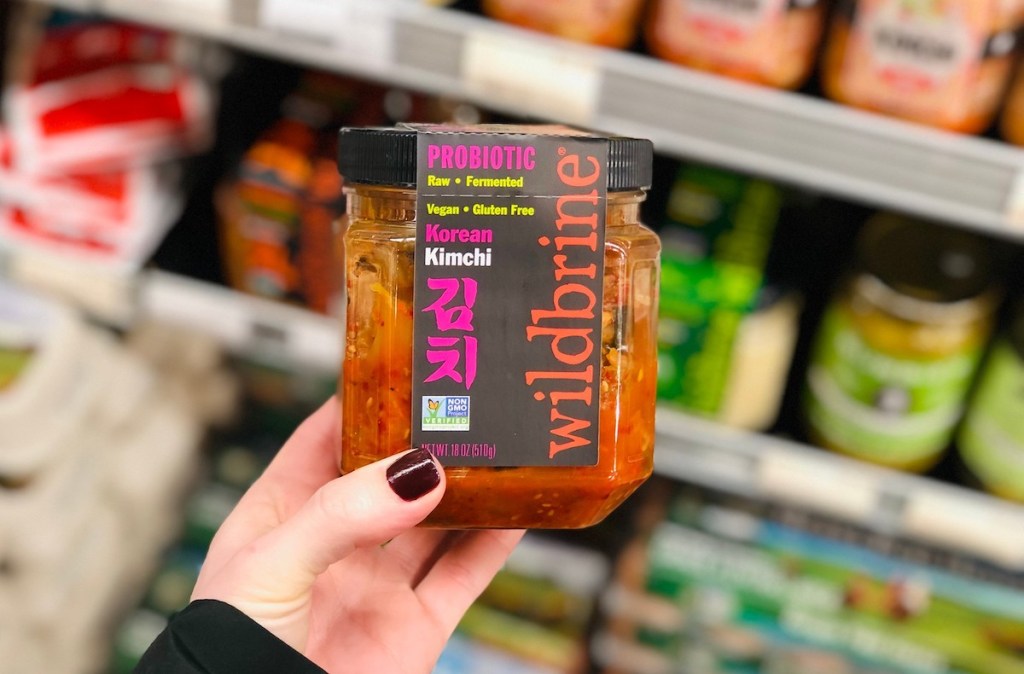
(333, 566)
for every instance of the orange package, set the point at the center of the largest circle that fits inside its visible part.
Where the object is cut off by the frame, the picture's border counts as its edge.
(945, 63)
(769, 42)
(608, 23)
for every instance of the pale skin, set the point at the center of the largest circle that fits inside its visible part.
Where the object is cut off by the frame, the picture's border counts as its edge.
(334, 567)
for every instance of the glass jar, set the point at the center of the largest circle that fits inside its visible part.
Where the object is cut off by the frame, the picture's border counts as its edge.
(1012, 118)
(991, 439)
(943, 63)
(607, 23)
(376, 382)
(770, 42)
(899, 346)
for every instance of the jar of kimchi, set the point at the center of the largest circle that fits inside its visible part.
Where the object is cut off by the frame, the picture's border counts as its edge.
(501, 312)
(607, 23)
(769, 42)
(1012, 118)
(945, 63)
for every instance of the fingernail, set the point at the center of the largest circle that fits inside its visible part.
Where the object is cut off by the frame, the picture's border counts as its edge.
(414, 475)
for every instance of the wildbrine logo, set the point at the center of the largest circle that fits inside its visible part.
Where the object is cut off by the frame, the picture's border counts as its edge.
(445, 413)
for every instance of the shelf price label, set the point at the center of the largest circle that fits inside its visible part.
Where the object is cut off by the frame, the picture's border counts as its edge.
(826, 485)
(983, 526)
(356, 32)
(530, 75)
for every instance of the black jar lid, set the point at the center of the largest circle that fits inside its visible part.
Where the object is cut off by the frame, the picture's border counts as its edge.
(387, 155)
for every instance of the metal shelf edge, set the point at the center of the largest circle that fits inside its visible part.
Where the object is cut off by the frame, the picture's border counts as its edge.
(764, 467)
(972, 182)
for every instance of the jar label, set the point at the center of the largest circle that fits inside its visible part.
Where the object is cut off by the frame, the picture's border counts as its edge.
(992, 438)
(509, 269)
(917, 58)
(883, 407)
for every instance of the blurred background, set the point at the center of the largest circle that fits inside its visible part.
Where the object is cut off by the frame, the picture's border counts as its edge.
(841, 415)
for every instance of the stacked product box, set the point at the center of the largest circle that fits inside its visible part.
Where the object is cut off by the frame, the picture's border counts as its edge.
(94, 115)
(729, 585)
(96, 453)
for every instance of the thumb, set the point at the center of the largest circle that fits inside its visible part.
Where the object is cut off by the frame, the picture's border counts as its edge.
(366, 507)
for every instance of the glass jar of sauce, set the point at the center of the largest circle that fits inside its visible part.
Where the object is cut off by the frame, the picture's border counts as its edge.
(1012, 118)
(944, 63)
(770, 42)
(376, 388)
(899, 346)
(991, 438)
(606, 23)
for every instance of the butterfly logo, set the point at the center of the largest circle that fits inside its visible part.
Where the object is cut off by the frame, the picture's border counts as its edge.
(433, 406)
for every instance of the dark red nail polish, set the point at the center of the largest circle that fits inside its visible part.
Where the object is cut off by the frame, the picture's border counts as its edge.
(414, 475)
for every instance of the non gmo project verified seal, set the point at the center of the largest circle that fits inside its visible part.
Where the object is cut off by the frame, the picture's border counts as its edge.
(445, 413)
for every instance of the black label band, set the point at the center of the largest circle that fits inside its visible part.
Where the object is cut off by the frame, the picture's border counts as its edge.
(510, 233)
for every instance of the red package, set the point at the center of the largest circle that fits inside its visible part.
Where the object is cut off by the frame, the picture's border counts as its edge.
(116, 248)
(114, 118)
(83, 48)
(108, 200)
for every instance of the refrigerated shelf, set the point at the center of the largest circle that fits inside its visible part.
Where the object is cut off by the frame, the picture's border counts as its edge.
(688, 448)
(971, 182)
(967, 181)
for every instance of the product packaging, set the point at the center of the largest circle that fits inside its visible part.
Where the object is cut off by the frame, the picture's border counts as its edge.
(277, 212)
(502, 307)
(113, 118)
(726, 334)
(738, 586)
(898, 348)
(1012, 118)
(991, 438)
(93, 111)
(945, 63)
(771, 42)
(89, 482)
(610, 23)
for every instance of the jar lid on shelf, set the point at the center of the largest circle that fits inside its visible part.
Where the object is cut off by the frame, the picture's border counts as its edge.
(925, 272)
(387, 155)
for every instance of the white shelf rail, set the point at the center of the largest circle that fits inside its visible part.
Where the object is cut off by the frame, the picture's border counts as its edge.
(763, 467)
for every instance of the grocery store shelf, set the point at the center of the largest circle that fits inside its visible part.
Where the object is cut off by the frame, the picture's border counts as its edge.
(689, 449)
(241, 323)
(763, 467)
(790, 137)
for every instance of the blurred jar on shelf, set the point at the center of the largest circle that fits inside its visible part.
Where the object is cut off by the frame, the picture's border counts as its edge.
(607, 23)
(771, 42)
(1012, 118)
(277, 212)
(899, 345)
(991, 439)
(945, 63)
(276, 219)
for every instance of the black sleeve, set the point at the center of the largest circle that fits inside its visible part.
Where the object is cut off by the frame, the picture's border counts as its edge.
(211, 637)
